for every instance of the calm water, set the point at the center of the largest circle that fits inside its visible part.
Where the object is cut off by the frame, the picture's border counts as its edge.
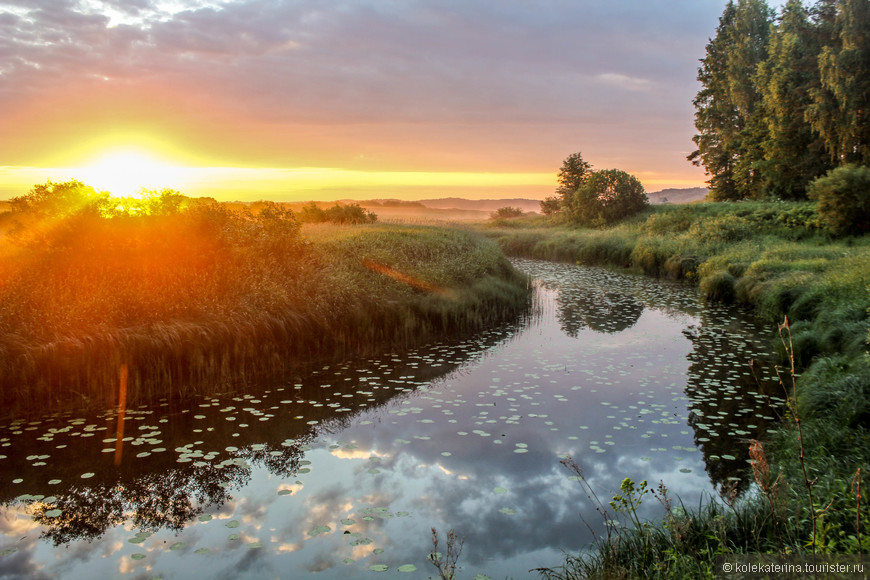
(343, 471)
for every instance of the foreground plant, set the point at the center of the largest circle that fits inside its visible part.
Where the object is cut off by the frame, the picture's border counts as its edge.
(446, 562)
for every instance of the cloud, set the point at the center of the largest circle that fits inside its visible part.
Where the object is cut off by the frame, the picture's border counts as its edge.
(625, 82)
(380, 70)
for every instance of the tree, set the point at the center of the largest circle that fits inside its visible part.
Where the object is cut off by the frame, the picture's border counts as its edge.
(573, 173)
(506, 212)
(551, 205)
(716, 117)
(844, 199)
(57, 200)
(606, 197)
(728, 107)
(840, 109)
(793, 152)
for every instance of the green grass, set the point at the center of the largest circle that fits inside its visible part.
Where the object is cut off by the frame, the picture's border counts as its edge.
(776, 259)
(198, 300)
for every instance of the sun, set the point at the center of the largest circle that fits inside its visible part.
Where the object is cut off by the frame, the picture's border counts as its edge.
(124, 173)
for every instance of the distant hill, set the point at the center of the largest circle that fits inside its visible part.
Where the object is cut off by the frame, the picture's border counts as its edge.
(527, 205)
(534, 205)
(687, 195)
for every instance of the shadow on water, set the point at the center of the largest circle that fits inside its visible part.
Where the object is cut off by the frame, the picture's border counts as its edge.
(182, 458)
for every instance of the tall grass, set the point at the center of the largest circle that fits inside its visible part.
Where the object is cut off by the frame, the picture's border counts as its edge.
(209, 296)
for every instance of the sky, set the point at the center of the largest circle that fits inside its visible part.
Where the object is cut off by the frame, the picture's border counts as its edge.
(306, 99)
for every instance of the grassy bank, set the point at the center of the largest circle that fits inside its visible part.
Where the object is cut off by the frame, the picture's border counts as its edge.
(774, 258)
(204, 295)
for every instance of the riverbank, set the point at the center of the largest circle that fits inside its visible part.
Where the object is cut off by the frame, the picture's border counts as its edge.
(774, 258)
(199, 299)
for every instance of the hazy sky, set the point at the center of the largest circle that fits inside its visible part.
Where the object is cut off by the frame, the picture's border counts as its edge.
(373, 98)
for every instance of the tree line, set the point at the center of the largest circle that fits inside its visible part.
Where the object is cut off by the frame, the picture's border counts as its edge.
(784, 98)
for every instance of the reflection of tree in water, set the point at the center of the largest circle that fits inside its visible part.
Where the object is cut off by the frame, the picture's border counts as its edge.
(596, 309)
(152, 501)
(159, 492)
(729, 390)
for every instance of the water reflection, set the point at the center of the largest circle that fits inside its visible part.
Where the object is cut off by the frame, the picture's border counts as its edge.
(181, 461)
(597, 309)
(347, 467)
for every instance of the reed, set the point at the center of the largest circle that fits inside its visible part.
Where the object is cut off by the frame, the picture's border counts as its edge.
(210, 297)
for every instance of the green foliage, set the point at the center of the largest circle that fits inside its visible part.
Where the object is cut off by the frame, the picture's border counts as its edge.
(793, 153)
(506, 213)
(780, 104)
(350, 214)
(730, 129)
(573, 174)
(606, 197)
(844, 199)
(719, 287)
(843, 99)
(551, 205)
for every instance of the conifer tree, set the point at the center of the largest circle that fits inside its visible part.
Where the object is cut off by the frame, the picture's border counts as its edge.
(728, 107)
(793, 152)
(840, 109)
(715, 114)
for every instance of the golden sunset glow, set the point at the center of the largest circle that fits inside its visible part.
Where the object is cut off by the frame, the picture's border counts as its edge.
(125, 173)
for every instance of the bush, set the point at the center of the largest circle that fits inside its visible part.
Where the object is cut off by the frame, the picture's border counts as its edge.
(551, 205)
(506, 212)
(337, 214)
(844, 199)
(607, 197)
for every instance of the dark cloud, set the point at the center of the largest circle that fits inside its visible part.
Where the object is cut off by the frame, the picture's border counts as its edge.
(459, 60)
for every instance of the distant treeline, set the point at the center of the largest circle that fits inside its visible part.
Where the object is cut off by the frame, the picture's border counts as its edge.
(785, 98)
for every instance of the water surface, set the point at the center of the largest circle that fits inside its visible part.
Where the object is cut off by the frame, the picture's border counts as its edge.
(342, 471)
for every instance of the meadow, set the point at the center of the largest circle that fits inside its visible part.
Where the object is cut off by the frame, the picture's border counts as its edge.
(777, 260)
(196, 295)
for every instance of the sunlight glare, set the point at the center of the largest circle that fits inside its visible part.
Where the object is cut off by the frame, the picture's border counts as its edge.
(126, 173)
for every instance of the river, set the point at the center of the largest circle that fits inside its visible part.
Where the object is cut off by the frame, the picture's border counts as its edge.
(342, 471)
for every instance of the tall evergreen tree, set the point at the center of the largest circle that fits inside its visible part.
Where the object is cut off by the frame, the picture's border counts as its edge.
(793, 153)
(748, 50)
(841, 112)
(716, 116)
(730, 128)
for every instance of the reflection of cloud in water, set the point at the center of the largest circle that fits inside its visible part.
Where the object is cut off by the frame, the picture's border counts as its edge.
(497, 411)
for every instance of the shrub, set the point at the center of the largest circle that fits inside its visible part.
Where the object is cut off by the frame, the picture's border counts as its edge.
(350, 214)
(844, 199)
(506, 212)
(607, 197)
(337, 214)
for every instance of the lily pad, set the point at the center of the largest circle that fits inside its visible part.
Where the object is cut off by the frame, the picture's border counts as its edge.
(319, 530)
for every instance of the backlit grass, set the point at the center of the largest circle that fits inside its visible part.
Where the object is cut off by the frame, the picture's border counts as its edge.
(208, 295)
